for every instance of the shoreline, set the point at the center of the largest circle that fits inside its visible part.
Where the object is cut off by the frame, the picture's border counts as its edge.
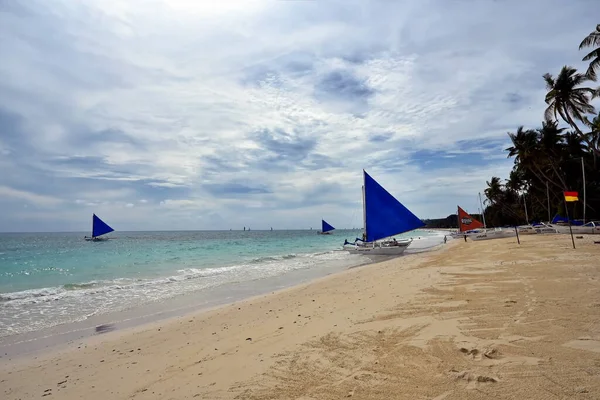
(135, 276)
(62, 336)
(474, 320)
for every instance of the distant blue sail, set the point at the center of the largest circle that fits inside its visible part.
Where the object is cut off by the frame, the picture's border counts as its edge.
(100, 227)
(385, 216)
(326, 226)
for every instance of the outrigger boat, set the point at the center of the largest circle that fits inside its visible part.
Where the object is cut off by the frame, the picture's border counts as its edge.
(384, 217)
(99, 228)
(475, 230)
(325, 228)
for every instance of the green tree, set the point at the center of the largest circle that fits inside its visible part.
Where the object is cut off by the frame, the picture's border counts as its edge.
(567, 99)
(494, 190)
(591, 40)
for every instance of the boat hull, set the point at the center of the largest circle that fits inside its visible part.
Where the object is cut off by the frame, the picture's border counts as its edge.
(526, 230)
(545, 230)
(492, 234)
(96, 239)
(379, 249)
(578, 230)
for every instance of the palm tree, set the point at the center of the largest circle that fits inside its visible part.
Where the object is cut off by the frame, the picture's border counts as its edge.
(566, 98)
(593, 139)
(516, 181)
(494, 190)
(593, 39)
(533, 152)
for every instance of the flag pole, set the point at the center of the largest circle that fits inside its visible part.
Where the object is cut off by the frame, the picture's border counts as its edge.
(569, 219)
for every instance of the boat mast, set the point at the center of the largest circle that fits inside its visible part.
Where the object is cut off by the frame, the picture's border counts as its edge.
(364, 210)
(583, 173)
(458, 219)
(482, 211)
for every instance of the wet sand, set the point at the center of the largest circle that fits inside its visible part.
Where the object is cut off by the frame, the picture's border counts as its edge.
(474, 320)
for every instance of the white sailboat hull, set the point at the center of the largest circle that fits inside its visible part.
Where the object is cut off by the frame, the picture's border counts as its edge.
(492, 234)
(545, 230)
(526, 230)
(588, 229)
(378, 249)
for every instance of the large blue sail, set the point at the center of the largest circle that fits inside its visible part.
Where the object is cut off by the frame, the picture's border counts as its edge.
(326, 226)
(384, 215)
(100, 227)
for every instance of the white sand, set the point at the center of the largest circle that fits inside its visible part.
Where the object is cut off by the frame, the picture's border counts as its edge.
(475, 320)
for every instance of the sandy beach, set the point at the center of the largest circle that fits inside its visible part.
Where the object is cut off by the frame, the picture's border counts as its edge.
(474, 320)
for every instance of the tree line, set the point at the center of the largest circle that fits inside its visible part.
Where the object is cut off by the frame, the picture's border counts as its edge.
(552, 158)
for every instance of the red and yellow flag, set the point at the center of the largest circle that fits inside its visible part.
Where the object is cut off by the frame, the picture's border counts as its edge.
(571, 196)
(466, 222)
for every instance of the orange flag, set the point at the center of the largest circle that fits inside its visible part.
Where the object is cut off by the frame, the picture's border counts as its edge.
(466, 222)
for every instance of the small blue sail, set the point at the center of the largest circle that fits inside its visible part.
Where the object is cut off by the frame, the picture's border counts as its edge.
(326, 226)
(384, 215)
(100, 227)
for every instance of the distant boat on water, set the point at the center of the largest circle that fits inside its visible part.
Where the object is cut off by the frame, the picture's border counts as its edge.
(99, 228)
(325, 228)
(384, 216)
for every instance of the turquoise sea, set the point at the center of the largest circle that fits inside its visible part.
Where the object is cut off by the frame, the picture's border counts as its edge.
(47, 279)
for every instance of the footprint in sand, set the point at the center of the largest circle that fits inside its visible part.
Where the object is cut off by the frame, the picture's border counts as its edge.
(476, 354)
(474, 379)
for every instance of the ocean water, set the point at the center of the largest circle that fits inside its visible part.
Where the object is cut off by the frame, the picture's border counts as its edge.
(47, 279)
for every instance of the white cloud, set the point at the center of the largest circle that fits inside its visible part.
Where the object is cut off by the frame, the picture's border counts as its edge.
(33, 198)
(266, 112)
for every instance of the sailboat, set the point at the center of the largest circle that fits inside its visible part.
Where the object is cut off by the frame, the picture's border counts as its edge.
(325, 228)
(99, 228)
(472, 228)
(466, 223)
(384, 216)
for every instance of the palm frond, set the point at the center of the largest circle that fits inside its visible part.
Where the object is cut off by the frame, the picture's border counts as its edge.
(593, 39)
(562, 112)
(592, 54)
(550, 113)
(594, 64)
(550, 82)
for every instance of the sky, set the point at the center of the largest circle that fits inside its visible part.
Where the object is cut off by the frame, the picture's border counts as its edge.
(184, 114)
